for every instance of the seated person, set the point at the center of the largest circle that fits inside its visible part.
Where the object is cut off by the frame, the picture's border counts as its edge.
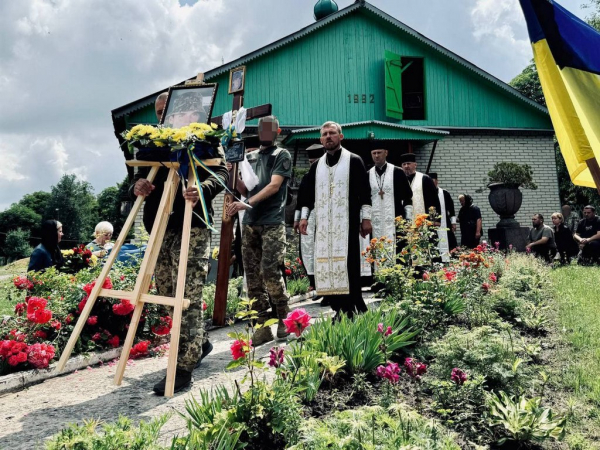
(587, 236)
(566, 246)
(48, 253)
(541, 239)
(101, 245)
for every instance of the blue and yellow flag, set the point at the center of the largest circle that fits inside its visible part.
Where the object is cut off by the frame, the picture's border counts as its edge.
(567, 55)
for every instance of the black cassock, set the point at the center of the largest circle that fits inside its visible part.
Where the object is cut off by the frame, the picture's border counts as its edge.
(359, 194)
(450, 212)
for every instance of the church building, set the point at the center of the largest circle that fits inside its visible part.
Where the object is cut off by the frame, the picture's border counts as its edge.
(389, 87)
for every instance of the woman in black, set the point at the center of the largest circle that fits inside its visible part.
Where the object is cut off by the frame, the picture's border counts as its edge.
(48, 253)
(565, 244)
(469, 218)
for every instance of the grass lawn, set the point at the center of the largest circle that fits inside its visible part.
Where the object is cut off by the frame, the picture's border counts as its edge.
(578, 301)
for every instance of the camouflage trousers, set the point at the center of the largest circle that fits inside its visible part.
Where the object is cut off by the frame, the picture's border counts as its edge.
(193, 334)
(263, 251)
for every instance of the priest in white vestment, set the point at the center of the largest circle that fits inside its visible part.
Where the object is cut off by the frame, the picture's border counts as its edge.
(446, 237)
(425, 195)
(338, 194)
(391, 197)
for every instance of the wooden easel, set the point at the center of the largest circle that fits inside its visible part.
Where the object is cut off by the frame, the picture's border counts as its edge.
(140, 295)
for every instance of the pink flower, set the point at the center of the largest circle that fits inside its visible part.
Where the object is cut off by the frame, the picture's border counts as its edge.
(275, 357)
(388, 331)
(497, 245)
(449, 274)
(40, 355)
(426, 276)
(113, 341)
(240, 348)
(390, 372)
(20, 308)
(297, 321)
(96, 337)
(528, 250)
(458, 376)
(493, 277)
(204, 306)
(485, 287)
(380, 328)
(56, 325)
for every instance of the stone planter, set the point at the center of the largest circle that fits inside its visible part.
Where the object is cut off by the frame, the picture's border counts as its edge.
(506, 201)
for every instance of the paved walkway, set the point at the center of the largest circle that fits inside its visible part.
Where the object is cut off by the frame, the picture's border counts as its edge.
(30, 416)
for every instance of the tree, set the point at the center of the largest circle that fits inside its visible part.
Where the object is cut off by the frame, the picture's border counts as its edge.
(37, 201)
(72, 202)
(528, 84)
(17, 244)
(19, 216)
(109, 204)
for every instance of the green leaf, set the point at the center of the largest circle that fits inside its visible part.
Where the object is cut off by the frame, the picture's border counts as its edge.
(270, 322)
(236, 363)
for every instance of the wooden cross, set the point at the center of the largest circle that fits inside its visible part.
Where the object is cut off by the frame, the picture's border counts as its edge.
(221, 290)
(381, 193)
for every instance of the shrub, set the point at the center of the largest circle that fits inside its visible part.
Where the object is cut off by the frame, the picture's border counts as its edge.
(117, 436)
(484, 352)
(374, 427)
(512, 174)
(357, 340)
(234, 291)
(298, 287)
(16, 244)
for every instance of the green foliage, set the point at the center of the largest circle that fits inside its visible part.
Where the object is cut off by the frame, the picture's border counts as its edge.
(514, 174)
(357, 341)
(234, 291)
(117, 436)
(528, 84)
(109, 205)
(521, 420)
(374, 428)
(482, 351)
(36, 201)
(460, 406)
(298, 287)
(72, 203)
(19, 216)
(17, 244)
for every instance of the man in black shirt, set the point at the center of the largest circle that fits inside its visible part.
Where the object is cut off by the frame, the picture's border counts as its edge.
(587, 236)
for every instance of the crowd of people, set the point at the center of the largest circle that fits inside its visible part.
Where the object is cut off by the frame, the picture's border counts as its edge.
(567, 238)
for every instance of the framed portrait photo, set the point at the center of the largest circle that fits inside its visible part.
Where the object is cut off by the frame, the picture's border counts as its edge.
(189, 104)
(237, 79)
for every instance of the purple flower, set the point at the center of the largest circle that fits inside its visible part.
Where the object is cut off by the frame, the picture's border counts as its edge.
(414, 368)
(458, 376)
(275, 357)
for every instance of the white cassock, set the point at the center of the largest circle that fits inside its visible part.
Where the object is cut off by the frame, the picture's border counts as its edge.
(331, 240)
(383, 211)
(418, 200)
(443, 245)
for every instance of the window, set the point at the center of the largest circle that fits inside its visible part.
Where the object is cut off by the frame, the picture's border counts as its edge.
(413, 89)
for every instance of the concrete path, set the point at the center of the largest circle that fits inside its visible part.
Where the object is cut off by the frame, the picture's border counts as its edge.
(30, 416)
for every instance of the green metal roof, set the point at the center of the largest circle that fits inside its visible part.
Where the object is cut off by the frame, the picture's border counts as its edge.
(382, 15)
(382, 131)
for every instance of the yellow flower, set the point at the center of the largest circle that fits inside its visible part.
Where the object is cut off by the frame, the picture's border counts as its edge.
(214, 126)
(215, 253)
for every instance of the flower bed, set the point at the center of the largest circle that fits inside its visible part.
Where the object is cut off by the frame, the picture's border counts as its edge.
(47, 306)
(451, 358)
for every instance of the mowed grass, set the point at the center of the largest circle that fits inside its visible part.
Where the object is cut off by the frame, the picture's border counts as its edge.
(578, 299)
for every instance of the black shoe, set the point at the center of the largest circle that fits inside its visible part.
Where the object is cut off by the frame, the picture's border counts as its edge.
(207, 347)
(183, 379)
(325, 302)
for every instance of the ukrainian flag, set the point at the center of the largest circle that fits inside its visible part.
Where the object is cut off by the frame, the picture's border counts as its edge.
(567, 55)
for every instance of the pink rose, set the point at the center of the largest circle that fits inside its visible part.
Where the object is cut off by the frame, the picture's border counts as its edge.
(297, 321)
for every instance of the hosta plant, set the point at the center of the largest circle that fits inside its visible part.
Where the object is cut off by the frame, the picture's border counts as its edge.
(521, 420)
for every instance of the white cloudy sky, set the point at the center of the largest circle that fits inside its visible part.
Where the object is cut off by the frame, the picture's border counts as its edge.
(65, 64)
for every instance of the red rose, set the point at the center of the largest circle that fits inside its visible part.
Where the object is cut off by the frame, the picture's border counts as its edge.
(123, 308)
(113, 341)
(164, 327)
(36, 310)
(56, 325)
(297, 321)
(40, 355)
(92, 320)
(288, 272)
(96, 337)
(69, 319)
(20, 308)
(240, 348)
(204, 306)
(40, 334)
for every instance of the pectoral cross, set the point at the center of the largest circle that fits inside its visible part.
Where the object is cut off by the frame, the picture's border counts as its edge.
(227, 222)
(381, 193)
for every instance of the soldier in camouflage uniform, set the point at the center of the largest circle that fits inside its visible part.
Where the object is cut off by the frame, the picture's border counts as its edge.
(263, 235)
(193, 344)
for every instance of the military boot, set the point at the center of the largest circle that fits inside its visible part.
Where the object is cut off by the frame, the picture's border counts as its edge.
(262, 336)
(282, 313)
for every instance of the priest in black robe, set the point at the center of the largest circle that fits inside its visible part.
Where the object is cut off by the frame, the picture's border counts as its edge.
(448, 213)
(338, 194)
(425, 194)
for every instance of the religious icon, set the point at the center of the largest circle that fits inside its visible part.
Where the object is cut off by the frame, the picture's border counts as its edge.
(189, 104)
(237, 79)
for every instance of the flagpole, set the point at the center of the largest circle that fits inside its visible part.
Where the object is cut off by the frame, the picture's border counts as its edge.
(592, 164)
